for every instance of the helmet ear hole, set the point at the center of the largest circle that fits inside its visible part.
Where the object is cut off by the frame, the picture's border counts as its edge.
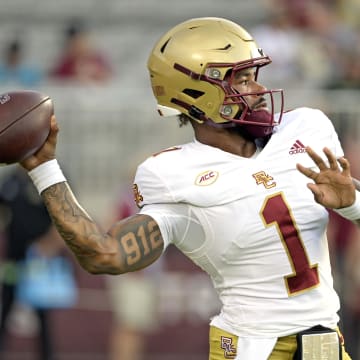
(195, 94)
(228, 74)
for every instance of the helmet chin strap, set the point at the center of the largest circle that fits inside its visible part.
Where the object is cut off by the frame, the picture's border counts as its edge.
(255, 124)
(258, 123)
(245, 131)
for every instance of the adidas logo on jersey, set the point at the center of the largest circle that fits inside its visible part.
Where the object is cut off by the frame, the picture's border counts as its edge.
(297, 148)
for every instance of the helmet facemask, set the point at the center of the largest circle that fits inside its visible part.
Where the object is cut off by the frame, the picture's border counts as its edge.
(235, 110)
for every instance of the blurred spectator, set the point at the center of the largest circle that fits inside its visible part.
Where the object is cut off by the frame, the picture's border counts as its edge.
(344, 238)
(344, 241)
(309, 43)
(298, 60)
(14, 70)
(335, 37)
(25, 222)
(349, 11)
(81, 61)
(350, 78)
(298, 10)
(351, 296)
(283, 45)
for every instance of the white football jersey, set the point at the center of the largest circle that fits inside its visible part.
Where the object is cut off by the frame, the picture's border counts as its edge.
(252, 225)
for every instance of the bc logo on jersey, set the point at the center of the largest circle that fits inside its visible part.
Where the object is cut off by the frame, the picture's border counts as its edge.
(228, 347)
(262, 178)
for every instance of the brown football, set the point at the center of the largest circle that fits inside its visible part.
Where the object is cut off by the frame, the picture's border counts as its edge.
(24, 124)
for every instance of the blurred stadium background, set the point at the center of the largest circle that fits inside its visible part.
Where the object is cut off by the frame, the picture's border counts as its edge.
(107, 129)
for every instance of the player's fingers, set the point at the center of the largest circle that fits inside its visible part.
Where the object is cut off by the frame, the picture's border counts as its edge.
(54, 129)
(320, 163)
(345, 165)
(318, 195)
(53, 123)
(332, 159)
(306, 171)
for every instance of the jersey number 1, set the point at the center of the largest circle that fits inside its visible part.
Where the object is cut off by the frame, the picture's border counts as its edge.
(275, 211)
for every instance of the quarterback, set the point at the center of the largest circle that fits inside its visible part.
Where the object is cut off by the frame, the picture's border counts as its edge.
(246, 200)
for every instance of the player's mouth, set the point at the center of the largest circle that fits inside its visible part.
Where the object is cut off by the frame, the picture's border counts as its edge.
(260, 105)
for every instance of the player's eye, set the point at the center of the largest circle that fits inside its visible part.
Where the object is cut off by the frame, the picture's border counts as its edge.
(241, 81)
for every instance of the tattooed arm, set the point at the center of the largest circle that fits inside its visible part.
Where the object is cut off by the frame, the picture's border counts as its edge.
(129, 245)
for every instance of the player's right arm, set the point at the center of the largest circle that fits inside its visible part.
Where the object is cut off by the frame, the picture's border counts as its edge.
(129, 245)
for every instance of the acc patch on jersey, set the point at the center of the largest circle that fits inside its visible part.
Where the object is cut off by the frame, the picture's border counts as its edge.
(206, 178)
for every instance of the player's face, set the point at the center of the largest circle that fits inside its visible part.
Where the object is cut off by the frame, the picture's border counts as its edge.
(244, 82)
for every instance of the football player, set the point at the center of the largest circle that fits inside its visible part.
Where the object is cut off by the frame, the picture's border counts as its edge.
(246, 200)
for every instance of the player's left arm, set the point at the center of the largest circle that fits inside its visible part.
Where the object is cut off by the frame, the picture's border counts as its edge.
(333, 186)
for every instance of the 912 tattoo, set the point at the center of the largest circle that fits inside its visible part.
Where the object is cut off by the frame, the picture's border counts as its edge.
(141, 243)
